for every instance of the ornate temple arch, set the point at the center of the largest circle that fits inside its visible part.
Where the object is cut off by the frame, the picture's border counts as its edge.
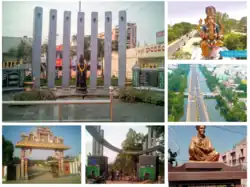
(42, 138)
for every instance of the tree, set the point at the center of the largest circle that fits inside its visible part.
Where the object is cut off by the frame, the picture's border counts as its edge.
(12, 52)
(24, 50)
(8, 150)
(16, 160)
(127, 162)
(50, 158)
(235, 41)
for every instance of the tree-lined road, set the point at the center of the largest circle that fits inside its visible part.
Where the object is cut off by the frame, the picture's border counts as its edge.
(175, 46)
(196, 107)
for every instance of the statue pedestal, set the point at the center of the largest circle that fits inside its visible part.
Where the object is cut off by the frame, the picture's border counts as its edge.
(205, 173)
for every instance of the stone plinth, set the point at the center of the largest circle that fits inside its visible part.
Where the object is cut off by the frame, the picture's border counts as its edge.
(205, 173)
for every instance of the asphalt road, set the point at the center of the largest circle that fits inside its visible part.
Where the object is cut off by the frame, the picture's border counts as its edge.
(196, 108)
(178, 44)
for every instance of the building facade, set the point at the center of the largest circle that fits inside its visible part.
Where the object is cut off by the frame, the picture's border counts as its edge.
(131, 35)
(236, 156)
(149, 57)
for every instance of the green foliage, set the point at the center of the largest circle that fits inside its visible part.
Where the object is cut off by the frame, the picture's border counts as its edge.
(126, 162)
(235, 41)
(8, 150)
(179, 55)
(35, 95)
(58, 82)
(177, 82)
(211, 80)
(132, 95)
(12, 52)
(87, 50)
(175, 106)
(24, 51)
(178, 30)
(235, 113)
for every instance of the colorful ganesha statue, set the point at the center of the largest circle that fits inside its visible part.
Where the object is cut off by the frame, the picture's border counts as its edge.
(210, 32)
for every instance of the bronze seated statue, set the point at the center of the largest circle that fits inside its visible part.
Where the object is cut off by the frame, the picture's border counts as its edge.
(201, 148)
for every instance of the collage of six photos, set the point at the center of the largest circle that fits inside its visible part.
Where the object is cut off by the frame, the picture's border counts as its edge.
(86, 98)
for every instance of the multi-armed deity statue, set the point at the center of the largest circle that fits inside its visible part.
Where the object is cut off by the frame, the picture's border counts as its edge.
(201, 148)
(211, 33)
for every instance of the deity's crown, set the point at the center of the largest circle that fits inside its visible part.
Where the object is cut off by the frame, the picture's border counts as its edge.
(210, 11)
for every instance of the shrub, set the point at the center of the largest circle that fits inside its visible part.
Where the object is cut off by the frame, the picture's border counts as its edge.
(35, 95)
(146, 96)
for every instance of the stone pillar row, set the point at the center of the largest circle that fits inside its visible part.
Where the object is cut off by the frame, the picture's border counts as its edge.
(52, 33)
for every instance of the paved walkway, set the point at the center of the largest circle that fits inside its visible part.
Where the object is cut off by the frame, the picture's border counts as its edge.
(48, 179)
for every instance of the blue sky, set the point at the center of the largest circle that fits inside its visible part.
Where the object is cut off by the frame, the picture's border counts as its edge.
(114, 135)
(71, 135)
(193, 11)
(18, 17)
(222, 140)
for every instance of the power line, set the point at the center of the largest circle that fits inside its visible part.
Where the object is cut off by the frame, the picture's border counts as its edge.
(230, 130)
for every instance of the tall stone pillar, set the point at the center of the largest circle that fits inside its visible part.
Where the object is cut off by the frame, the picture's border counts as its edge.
(149, 138)
(71, 167)
(22, 163)
(62, 162)
(107, 49)
(93, 146)
(74, 167)
(154, 141)
(122, 48)
(52, 48)
(144, 147)
(97, 143)
(93, 57)
(26, 168)
(66, 49)
(37, 45)
(101, 146)
(80, 36)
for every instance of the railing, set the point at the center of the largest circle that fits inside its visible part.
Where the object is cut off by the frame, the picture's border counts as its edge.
(66, 102)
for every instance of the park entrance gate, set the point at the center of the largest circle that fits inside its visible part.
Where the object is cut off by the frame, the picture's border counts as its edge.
(42, 138)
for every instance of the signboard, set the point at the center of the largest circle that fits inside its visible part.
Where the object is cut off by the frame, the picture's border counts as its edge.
(150, 65)
(90, 170)
(147, 173)
(153, 51)
(160, 33)
(12, 78)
